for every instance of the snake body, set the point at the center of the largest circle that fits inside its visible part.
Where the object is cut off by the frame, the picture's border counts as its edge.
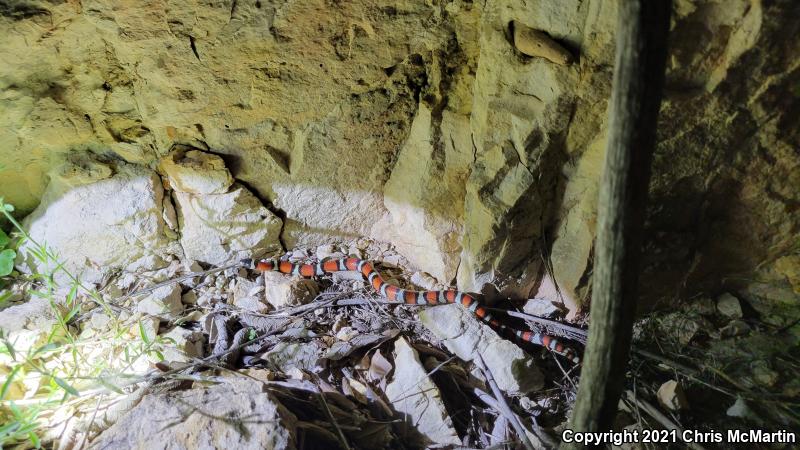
(397, 295)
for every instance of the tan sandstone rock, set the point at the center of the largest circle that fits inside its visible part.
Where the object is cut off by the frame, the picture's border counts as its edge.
(537, 43)
(196, 172)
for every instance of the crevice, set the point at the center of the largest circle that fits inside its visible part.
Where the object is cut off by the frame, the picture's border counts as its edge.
(233, 10)
(194, 47)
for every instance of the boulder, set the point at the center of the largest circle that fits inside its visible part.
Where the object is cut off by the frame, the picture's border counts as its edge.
(99, 218)
(462, 334)
(222, 228)
(729, 306)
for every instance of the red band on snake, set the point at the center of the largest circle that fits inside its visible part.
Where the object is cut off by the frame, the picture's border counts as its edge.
(397, 295)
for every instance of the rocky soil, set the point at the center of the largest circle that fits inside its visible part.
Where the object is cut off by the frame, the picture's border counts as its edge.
(456, 143)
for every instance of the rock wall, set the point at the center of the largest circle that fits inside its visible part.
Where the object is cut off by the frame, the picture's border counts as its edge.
(425, 125)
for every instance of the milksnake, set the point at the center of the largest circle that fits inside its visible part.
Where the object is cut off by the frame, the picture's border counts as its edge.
(397, 295)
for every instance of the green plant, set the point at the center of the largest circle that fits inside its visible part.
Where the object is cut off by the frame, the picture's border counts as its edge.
(45, 371)
(7, 255)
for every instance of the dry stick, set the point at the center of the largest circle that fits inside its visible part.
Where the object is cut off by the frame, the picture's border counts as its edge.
(502, 405)
(642, 28)
(570, 331)
(659, 417)
(339, 432)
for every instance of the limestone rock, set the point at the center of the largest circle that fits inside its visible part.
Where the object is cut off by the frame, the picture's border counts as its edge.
(789, 266)
(147, 326)
(282, 290)
(99, 320)
(330, 135)
(184, 345)
(164, 301)
(249, 295)
(542, 308)
(189, 297)
(729, 306)
(574, 240)
(196, 172)
(35, 313)
(412, 393)
(519, 124)
(465, 336)
(286, 355)
(763, 374)
(194, 418)
(221, 228)
(734, 328)
(98, 223)
(424, 193)
(423, 280)
(537, 43)
(671, 396)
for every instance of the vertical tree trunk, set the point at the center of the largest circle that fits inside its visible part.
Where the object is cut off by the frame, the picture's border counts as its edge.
(642, 28)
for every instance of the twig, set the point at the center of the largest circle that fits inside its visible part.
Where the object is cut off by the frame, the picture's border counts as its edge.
(339, 432)
(502, 405)
(570, 331)
(658, 416)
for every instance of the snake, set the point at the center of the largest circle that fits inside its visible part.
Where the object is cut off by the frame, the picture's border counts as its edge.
(395, 294)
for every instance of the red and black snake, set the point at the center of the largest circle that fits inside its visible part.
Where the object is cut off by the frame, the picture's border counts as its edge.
(396, 295)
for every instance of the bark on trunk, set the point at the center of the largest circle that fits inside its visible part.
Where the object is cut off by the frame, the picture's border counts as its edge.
(642, 29)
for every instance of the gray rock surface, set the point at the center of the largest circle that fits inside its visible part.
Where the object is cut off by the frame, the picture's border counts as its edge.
(412, 393)
(466, 337)
(236, 414)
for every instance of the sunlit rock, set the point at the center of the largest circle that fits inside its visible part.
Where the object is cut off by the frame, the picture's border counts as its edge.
(412, 393)
(223, 228)
(462, 334)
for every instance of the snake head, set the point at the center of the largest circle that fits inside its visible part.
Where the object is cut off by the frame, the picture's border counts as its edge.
(248, 263)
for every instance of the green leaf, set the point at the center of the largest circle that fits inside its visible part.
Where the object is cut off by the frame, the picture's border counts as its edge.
(9, 208)
(46, 348)
(4, 239)
(34, 439)
(71, 314)
(7, 257)
(143, 334)
(11, 350)
(110, 386)
(8, 382)
(64, 385)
